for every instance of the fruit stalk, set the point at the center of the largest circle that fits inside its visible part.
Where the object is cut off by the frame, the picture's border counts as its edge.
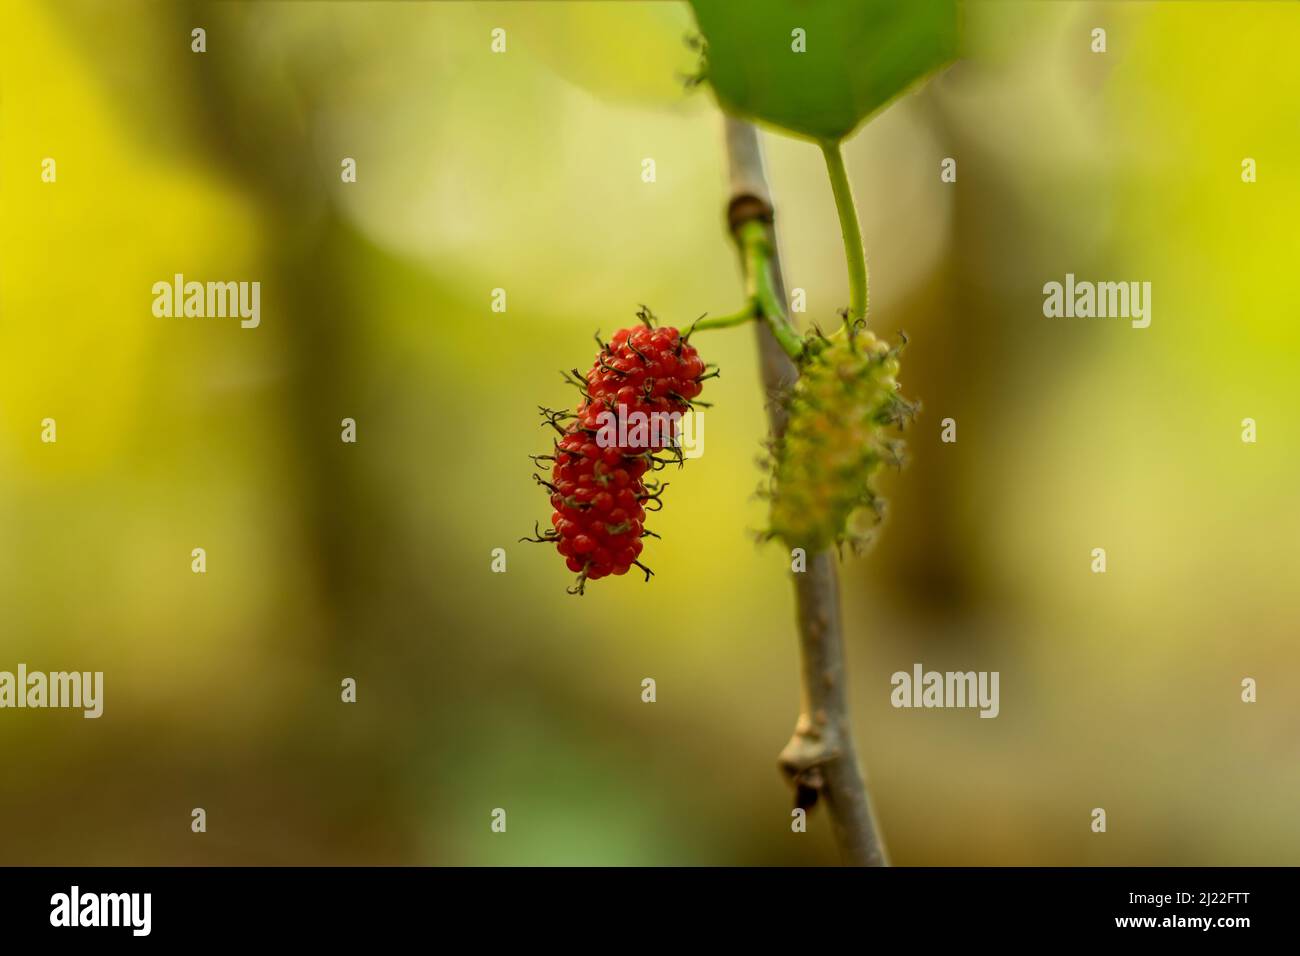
(854, 254)
(820, 759)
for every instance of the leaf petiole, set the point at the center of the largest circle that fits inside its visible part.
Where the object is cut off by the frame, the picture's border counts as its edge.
(854, 255)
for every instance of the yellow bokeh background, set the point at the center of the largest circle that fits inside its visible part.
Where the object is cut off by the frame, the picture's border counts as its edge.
(522, 171)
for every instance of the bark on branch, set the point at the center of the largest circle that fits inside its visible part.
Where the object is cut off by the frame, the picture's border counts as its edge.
(819, 760)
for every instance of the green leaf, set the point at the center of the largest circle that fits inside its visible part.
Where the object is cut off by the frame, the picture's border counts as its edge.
(859, 55)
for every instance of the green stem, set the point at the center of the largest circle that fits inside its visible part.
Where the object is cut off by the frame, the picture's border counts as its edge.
(854, 254)
(761, 286)
(747, 314)
(760, 293)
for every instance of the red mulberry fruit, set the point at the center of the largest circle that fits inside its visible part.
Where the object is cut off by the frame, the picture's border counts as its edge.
(633, 398)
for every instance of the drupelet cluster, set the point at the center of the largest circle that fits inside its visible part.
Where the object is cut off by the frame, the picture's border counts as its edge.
(626, 426)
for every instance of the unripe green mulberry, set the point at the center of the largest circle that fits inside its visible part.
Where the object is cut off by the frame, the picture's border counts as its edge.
(840, 412)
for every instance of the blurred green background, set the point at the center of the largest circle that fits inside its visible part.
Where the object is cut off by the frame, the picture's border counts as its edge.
(523, 171)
